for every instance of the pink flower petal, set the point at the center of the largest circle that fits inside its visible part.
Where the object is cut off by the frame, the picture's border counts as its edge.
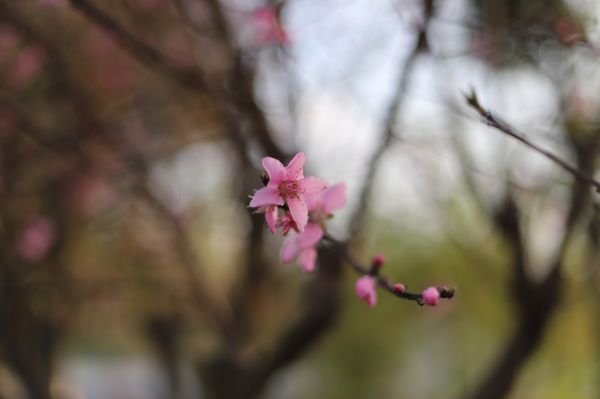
(268, 27)
(298, 211)
(290, 249)
(307, 260)
(274, 169)
(313, 186)
(265, 15)
(365, 289)
(310, 236)
(294, 169)
(266, 196)
(333, 198)
(271, 214)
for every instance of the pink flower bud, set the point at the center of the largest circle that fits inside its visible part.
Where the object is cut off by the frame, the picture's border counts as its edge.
(366, 290)
(399, 287)
(378, 260)
(431, 296)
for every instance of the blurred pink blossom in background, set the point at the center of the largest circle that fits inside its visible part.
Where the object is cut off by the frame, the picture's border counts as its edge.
(26, 66)
(89, 195)
(268, 27)
(567, 31)
(36, 239)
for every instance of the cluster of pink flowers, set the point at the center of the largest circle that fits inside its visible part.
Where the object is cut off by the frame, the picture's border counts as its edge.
(299, 206)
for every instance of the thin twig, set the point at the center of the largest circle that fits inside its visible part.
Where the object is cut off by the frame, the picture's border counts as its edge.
(536, 301)
(382, 281)
(494, 122)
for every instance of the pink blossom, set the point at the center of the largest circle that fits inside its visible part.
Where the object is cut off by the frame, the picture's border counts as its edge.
(365, 289)
(286, 223)
(322, 205)
(303, 246)
(271, 214)
(36, 239)
(27, 65)
(269, 29)
(431, 296)
(287, 185)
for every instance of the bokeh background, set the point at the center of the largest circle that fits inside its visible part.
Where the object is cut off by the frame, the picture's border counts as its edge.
(131, 135)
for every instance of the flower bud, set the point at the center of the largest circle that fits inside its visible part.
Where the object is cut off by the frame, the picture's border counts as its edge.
(378, 260)
(431, 296)
(399, 288)
(366, 290)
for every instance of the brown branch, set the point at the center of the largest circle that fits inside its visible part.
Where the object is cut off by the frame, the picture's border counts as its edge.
(507, 220)
(238, 91)
(382, 281)
(494, 122)
(87, 125)
(242, 85)
(199, 288)
(536, 303)
(141, 50)
(320, 312)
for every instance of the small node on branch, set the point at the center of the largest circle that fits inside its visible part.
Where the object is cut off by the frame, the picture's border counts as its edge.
(378, 260)
(446, 293)
(473, 101)
(376, 264)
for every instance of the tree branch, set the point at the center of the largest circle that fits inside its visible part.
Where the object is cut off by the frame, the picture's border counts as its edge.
(537, 302)
(357, 218)
(494, 122)
(141, 50)
(384, 282)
